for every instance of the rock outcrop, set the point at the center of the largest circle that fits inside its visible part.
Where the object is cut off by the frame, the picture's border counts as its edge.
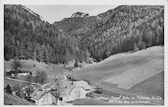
(80, 14)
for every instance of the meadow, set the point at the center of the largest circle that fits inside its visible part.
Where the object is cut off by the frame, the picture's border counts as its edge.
(136, 73)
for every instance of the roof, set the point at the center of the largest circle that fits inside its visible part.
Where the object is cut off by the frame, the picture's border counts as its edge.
(65, 87)
(47, 86)
(54, 93)
(27, 70)
(24, 70)
(40, 94)
(62, 88)
(65, 92)
(33, 70)
(61, 77)
(32, 85)
(35, 93)
(83, 84)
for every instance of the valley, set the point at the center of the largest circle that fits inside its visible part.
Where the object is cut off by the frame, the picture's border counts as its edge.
(113, 58)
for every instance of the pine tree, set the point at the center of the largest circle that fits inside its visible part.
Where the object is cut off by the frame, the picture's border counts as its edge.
(16, 64)
(76, 63)
(143, 45)
(135, 47)
(8, 89)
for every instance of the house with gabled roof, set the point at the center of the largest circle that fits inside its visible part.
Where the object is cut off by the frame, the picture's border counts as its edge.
(61, 91)
(44, 97)
(71, 90)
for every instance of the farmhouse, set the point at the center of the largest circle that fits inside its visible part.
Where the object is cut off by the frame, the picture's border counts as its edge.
(71, 90)
(10, 72)
(60, 91)
(44, 97)
(21, 72)
(33, 72)
(24, 72)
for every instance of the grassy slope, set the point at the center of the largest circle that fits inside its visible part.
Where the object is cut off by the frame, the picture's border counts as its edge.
(133, 76)
(14, 100)
(13, 83)
(117, 63)
(153, 86)
(39, 66)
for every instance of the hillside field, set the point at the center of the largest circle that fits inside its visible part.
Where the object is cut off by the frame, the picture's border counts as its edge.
(13, 83)
(50, 69)
(135, 73)
(131, 77)
(14, 100)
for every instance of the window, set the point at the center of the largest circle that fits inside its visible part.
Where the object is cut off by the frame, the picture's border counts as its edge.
(60, 98)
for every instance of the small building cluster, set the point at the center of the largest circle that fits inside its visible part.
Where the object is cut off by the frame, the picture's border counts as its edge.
(21, 72)
(25, 91)
(59, 92)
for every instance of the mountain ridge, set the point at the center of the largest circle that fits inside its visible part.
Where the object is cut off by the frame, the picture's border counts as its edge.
(117, 30)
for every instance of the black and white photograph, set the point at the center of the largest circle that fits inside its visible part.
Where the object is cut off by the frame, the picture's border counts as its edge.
(72, 54)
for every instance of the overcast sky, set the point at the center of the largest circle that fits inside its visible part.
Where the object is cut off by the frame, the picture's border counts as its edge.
(52, 13)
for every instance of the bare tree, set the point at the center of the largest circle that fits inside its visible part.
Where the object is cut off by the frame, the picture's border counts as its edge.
(16, 87)
(42, 77)
(16, 65)
(29, 89)
(56, 91)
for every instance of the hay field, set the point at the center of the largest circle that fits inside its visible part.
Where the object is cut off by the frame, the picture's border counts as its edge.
(138, 73)
(153, 86)
(131, 77)
(116, 64)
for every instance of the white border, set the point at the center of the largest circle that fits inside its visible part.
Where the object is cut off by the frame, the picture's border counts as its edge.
(87, 2)
(83, 2)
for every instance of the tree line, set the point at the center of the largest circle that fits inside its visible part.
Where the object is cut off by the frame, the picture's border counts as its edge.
(26, 35)
(123, 29)
(130, 28)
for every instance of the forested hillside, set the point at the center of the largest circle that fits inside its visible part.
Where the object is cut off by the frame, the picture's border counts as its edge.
(25, 34)
(125, 28)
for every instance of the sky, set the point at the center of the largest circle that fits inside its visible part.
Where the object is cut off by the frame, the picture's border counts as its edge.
(52, 13)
